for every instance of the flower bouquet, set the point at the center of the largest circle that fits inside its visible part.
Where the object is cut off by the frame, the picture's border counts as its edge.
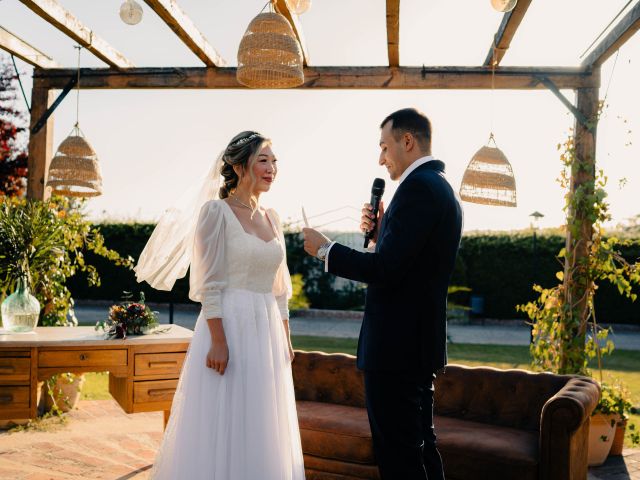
(129, 318)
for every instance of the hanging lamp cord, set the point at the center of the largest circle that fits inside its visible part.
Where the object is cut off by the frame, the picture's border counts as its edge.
(78, 88)
(493, 87)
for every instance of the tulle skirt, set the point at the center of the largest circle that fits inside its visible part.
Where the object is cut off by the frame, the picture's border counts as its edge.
(242, 425)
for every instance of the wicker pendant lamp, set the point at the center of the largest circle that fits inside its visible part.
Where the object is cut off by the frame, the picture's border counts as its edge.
(488, 179)
(270, 55)
(74, 169)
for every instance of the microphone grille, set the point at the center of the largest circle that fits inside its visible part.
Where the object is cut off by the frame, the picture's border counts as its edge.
(378, 186)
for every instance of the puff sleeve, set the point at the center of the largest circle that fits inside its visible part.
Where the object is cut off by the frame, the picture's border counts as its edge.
(282, 288)
(208, 271)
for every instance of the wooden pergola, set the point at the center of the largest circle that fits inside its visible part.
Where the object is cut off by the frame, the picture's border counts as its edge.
(49, 78)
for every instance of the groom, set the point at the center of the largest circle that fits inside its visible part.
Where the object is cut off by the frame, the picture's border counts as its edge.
(402, 341)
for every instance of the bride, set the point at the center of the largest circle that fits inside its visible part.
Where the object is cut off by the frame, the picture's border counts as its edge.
(233, 415)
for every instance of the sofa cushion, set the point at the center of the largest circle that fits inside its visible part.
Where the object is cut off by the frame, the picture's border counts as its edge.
(336, 432)
(486, 451)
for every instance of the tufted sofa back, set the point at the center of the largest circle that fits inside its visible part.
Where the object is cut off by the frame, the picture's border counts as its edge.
(509, 398)
(328, 378)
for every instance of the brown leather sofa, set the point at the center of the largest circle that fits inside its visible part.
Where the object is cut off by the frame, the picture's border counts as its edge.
(491, 424)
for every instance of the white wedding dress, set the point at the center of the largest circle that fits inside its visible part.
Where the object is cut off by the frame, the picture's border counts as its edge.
(241, 425)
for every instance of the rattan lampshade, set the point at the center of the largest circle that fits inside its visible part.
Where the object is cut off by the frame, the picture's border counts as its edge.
(489, 179)
(269, 55)
(74, 169)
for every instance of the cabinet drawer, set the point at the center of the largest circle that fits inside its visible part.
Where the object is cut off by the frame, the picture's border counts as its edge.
(158, 363)
(79, 358)
(14, 397)
(154, 391)
(15, 369)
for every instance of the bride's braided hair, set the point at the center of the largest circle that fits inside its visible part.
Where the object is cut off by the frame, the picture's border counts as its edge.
(240, 151)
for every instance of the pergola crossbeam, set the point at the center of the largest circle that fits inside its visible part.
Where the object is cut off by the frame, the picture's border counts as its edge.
(617, 37)
(507, 30)
(24, 51)
(178, 21)
(52, 12)
(393, 32)
(283, 7)
(396, 78)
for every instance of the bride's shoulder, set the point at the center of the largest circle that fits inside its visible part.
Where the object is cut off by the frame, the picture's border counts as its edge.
(213, 207)
(214, 204)
(273, 214)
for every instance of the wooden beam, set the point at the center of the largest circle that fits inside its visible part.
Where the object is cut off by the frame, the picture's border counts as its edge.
(24, 51)
(373, 78)
(52, 12)
(623, 31)
(283, 7)
(507, 30)
(393, 32)
(178, 21)
(40, 145)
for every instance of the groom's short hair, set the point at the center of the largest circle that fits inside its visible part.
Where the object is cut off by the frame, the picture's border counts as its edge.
(410, 120)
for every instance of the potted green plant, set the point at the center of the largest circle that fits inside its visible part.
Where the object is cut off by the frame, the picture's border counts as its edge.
(611, 409)
(616, 400)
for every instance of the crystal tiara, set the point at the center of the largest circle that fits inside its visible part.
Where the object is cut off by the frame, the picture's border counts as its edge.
(244, 140)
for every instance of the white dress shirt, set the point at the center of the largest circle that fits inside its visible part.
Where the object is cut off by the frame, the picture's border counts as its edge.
(405, 174)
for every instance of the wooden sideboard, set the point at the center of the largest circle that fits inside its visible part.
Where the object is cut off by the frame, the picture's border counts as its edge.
(143, 370)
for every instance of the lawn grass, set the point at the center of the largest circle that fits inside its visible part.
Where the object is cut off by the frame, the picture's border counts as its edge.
(623, 365)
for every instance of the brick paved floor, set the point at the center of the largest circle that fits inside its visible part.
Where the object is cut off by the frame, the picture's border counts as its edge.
(100, 441)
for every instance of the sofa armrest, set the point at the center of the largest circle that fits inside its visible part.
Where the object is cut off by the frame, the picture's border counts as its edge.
(564, 429)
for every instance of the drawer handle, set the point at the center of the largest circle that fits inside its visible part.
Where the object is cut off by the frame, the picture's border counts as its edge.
(7, 369)
(83, 356)
(161, 391)
(162, 364)
(6, 398)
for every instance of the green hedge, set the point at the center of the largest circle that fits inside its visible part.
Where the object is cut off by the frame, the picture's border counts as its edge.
(501, 268)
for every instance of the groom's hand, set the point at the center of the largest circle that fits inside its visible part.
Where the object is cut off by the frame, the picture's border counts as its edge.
(368, 221)
(313, 240)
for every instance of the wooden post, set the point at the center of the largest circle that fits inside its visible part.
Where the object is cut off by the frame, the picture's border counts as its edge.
(40, 144)
(580, 226)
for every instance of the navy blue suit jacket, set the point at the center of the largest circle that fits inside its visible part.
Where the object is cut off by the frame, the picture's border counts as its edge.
(404, 326)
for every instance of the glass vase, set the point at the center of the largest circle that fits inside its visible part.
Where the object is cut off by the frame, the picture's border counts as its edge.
(20, 310)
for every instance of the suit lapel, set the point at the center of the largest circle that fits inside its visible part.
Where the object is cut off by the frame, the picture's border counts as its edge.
(436, 165)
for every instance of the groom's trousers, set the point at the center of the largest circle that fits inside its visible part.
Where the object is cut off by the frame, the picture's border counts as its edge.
(400, 408)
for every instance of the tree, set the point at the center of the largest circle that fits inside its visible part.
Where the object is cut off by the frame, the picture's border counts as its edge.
(13, 134)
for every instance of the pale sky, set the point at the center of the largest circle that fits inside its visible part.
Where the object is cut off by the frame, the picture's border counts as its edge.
(152, 144)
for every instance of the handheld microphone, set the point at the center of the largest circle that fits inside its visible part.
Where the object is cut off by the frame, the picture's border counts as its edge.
(377, 189)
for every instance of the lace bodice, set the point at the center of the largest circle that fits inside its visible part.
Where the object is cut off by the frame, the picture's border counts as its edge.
(227, 257)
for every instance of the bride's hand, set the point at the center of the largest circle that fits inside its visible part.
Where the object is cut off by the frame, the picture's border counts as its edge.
(218, 357)
(291, 353)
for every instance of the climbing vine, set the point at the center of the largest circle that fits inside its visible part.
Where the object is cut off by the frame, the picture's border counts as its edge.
(566, 334)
